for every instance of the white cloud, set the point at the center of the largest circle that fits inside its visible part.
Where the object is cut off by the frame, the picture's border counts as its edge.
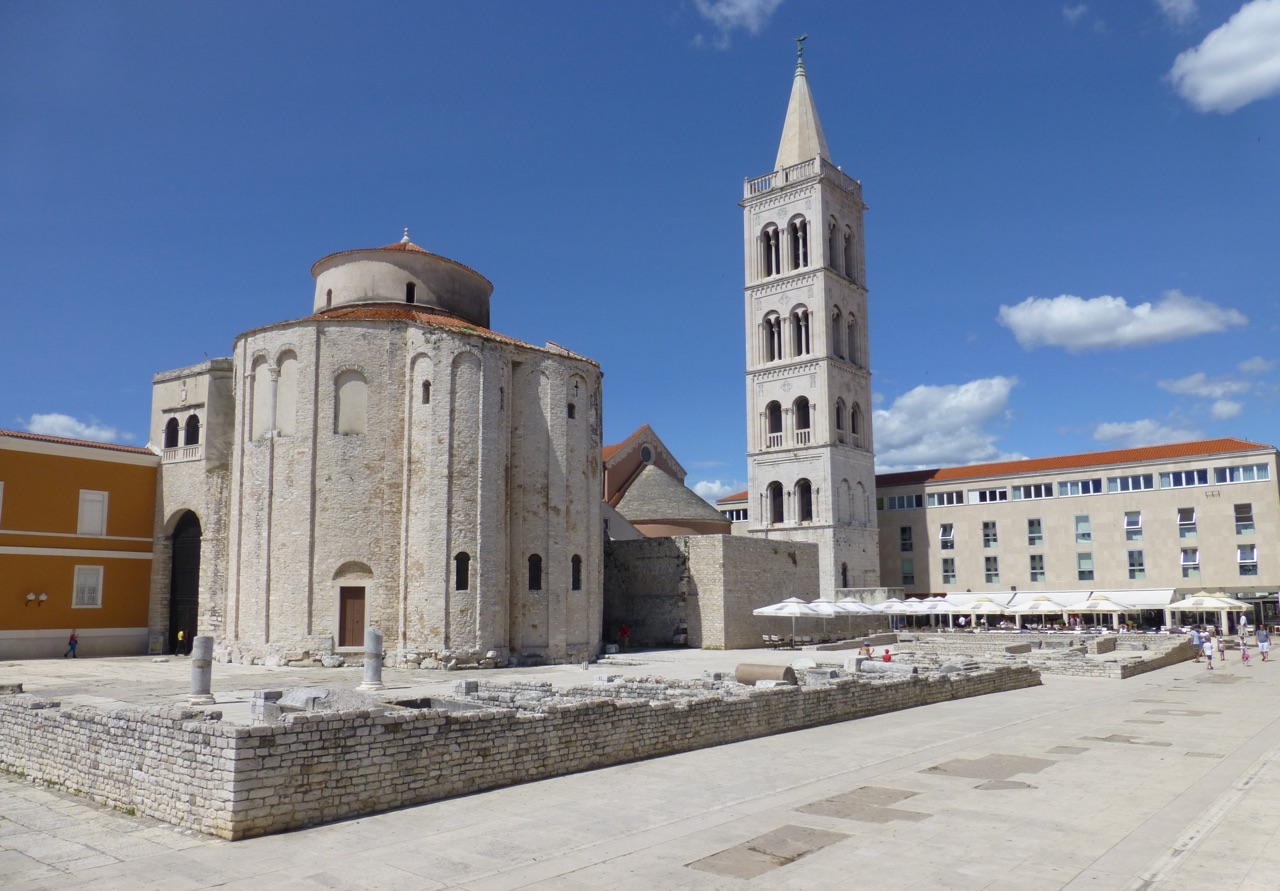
(1199, 384)
(942, 426)
(710, 490)
(1073, 14)
(1131, 434)
(54, 424)
(1237, 63)
(1179, 12)
(1110, 323)
(1256, 365)
(732, 15)
(1225, 410)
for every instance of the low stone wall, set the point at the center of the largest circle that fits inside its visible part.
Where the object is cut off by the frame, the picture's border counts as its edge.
(236, 782)
(1072, 655)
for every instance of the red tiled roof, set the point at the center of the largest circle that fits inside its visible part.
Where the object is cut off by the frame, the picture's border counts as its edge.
(403, 246)
(62, 440)
(1169, 452)
(608, 451)
(737, 496)
(419, 315)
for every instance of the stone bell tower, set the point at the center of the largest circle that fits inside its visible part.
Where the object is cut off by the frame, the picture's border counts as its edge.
(810, 453)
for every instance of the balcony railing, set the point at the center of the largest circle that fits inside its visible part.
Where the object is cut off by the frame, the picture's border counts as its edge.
(775, 440)
(802, 437)
(183, 453)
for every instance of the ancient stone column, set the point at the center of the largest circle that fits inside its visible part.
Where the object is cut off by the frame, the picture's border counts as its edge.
(201, 671)
(372, 661)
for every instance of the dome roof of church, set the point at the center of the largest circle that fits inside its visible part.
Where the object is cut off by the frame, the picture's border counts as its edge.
(401, 273)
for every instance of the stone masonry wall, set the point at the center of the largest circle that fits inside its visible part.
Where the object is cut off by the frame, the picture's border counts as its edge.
(707, 584)
(236, 782)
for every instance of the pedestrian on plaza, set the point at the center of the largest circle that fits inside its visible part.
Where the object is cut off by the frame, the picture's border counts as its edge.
(72, 642)
(1196, 640)
(1222, 649)
(624, 635)
(887, 657)
(1207, 648)
(866, 649)
(1264, 642)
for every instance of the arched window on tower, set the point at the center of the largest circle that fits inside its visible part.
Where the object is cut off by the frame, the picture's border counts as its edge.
(773, 425)
(171, 428)
(770, 252)
(851, 337)
(837, 334)
(839, 420)
(800, 332)
(773, 499)
(833, 245)
(800, 411)
(855, 425)
(426, 392)
(535, 572)
(798, 237)
(848, 253)
(461, 571)
(844, 575)
(771, 334)
(804, 501)
(191, 433)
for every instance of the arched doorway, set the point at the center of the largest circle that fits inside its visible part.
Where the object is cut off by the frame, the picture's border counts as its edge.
(184, 582)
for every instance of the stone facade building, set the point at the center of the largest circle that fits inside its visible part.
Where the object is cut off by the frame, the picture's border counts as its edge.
(387, 461)
(810, 453)
(1185, 517)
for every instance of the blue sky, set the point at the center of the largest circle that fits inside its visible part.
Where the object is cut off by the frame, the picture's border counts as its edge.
(1071, 241)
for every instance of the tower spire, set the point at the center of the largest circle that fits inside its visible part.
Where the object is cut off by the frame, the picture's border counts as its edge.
(802, 138)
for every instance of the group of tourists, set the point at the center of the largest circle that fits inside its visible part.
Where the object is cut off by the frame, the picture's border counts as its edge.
(1209, 639)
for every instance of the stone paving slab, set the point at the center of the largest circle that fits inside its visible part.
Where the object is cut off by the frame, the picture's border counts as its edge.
(1192, 812)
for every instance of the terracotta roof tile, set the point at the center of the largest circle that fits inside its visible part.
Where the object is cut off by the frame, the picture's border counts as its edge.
(419, 315)
(609, 451)
(736, 496)
(1170, 452)
(62, 440)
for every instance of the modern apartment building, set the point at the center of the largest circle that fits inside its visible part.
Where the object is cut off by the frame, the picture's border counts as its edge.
(1190, 516)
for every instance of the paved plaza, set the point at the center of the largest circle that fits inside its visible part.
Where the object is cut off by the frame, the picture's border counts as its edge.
(1164, 781)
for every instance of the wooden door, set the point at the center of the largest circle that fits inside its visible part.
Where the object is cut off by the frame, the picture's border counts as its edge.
(351, 616)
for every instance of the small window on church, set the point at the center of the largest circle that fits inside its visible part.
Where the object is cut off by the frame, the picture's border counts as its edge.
(572, 411)
(410, 293)
(502, 398)
(426, 392)
(576, 573)
(462, 571)
(646, 454)
(328, 298)
(535, 573)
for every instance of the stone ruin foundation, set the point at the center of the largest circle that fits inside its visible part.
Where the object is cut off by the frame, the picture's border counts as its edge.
(317, 757)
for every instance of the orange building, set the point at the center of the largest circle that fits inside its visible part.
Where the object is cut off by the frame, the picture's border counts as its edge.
(76, 532)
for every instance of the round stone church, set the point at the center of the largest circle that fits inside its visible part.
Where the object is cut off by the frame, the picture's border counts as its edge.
(387, 461)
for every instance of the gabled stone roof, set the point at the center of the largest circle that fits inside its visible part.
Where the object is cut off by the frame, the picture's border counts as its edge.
(655, 496)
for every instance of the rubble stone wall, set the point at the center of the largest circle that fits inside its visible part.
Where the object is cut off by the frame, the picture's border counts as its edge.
(236, 781)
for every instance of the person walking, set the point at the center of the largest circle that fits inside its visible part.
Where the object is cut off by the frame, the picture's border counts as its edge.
(1222, 648)
(1196, 641)
(1264, 642)
(72, 642)
(1207, 648)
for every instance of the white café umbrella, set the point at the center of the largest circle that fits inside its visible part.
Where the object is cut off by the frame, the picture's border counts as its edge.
(1101, 604)
(792, 607)
(1040, 606)
(1208, 603)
